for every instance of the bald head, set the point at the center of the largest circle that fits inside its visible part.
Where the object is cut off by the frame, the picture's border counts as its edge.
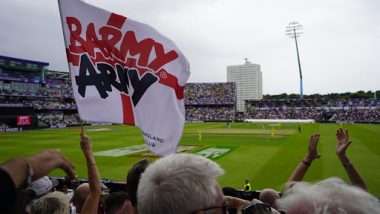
(80, 195)
(269, 196)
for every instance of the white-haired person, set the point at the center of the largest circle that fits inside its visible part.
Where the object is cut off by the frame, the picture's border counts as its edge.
(180, 183)
(184, 183)
(330, 196)
(51, 203)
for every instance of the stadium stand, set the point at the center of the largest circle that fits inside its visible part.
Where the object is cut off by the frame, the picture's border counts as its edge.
(210, 101)
(29, 88)
(210, 93)
(322, 110)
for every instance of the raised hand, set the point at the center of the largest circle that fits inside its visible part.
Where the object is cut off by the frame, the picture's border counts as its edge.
(311, 154)
(343, 142)
(341, 147)
(85, 143)
(44, 162)
(40, 164)
(312, 149)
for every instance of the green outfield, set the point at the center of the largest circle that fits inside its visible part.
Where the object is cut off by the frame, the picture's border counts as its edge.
(264, 153)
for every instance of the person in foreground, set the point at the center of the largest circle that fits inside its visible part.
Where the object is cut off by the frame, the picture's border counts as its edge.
(17, 173)
(51, 203)
(186, 184)
(180, 183)
(133, 179)
(343, 142)
(90, 205)
(329, 196)
(118, 203)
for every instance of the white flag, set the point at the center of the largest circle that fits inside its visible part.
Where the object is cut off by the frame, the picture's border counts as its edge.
(126, 72)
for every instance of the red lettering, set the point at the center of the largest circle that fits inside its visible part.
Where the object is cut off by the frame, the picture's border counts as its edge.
(92, 40)
(131, 53)
(75, 29)
(162, 58)
(110, 37)
(130, 45)
(116, 20)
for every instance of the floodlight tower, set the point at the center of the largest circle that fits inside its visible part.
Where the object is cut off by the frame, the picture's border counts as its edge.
(294, 30)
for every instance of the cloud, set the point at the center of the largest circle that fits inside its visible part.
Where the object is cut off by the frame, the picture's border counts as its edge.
(339, 48)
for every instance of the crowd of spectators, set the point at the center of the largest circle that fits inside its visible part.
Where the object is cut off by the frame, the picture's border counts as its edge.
(209, 113)
(210, 93)
(318, 114)
(210, 102)
(50, 118)
(288, 113)
(57, 79)
(48, 91)
(177, 183)
(3, 125)
(216, 101)
(38, 104)
(355, 110)
(59, 118)
(224, 113)
(72, 119)
(313, 103)
(59, 92)
(15, 102)
(54, 104)
(356, 115)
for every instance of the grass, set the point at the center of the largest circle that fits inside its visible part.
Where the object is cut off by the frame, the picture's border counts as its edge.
(265, 159)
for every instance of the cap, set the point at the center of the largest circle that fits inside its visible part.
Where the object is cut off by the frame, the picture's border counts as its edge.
(41, 186)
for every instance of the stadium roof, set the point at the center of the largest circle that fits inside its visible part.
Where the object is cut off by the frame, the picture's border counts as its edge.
(24, 60)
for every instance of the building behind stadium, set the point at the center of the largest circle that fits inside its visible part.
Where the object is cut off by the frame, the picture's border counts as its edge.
(249, 83)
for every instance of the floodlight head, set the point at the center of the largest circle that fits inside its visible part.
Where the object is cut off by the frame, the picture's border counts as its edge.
(294, 29)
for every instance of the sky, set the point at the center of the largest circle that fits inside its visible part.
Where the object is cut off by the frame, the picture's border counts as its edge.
(339, 48)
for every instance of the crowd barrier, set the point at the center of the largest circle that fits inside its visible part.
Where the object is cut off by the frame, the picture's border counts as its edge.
(279, 120)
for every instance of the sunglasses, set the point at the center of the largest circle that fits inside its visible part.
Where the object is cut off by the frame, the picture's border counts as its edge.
(259, 208)
(223, 208)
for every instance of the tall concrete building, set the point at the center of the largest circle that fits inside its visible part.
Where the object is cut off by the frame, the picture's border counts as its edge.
(249, 82)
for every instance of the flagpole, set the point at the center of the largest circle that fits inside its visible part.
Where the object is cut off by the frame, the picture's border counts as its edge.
(68, 63)
(63, 31)
(81, 126)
